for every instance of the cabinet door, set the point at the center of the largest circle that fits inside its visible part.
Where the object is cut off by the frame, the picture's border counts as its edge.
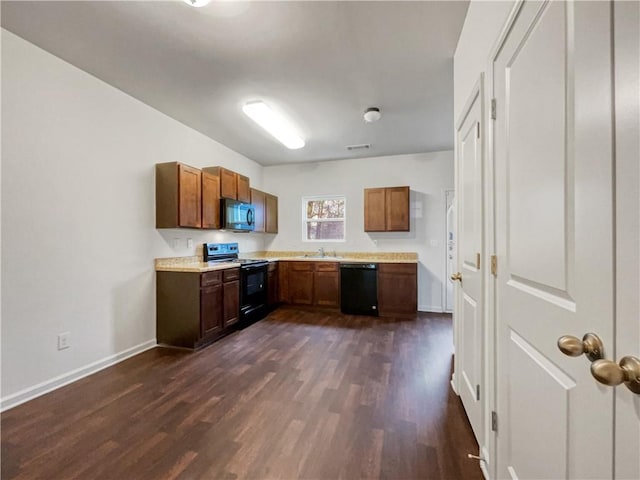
(231, 302)
(397, 209)
(211, 310)
(243, 191)
(189, 196)
(228, 185)
(272, 284)
(301, 283)
(283, 282)
(258, 201)
(271, 213)
(326, 289)
(374, 210)
(397, 289)
(210, 201)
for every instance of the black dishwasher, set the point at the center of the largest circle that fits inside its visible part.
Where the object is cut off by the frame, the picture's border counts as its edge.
(359, 288)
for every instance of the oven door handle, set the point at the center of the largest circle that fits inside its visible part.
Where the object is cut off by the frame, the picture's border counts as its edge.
(255, 267)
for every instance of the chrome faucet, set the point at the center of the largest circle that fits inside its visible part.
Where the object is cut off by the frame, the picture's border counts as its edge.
(321, 252)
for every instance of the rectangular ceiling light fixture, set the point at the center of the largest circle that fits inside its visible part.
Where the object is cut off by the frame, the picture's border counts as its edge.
(273, 123)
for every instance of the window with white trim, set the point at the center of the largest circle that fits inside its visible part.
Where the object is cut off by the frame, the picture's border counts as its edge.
(323, 219)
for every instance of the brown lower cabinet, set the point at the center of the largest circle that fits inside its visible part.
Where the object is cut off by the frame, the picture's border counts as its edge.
(195, 309)
(231, 296)
(397, 289)
(318, 284)
(310, 283)
(301, 283)
(326, 285)
(273, 295)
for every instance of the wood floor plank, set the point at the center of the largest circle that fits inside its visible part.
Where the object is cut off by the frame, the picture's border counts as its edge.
(301, 394)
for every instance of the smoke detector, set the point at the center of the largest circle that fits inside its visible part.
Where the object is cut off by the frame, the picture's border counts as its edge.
(197, 3)
(372, 114)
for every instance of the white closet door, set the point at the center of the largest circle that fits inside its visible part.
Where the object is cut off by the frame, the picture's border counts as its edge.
(553, 144)
(469, 311)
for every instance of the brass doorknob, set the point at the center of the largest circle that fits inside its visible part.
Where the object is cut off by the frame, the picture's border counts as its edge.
(611, 373)
(456, 277)
(591, 345)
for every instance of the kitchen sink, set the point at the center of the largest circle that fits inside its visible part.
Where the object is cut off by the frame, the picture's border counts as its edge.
(327, 257)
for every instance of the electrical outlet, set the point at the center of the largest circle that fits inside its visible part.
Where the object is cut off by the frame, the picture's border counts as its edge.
(189, 242)
(176, 243)
(63, 341)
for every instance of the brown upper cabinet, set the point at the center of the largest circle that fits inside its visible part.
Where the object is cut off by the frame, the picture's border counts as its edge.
(190, 197)
(386, 209)
(210, 201)
(243, 189)
(266, 206)
(232, 184)
(258, 201)
(271, 213)
(178, 196)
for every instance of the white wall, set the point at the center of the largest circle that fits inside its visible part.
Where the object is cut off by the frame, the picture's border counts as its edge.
(78, 215)
(428, 175)
(480, 31)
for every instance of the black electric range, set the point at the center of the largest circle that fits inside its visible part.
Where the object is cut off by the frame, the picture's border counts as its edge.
(253, 279)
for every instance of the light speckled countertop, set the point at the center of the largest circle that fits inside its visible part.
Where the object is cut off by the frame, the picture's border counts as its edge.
(195, 263)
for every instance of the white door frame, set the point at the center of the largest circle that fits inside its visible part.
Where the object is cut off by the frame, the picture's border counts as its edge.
(445, 193)
(488, 463)
(626, 17)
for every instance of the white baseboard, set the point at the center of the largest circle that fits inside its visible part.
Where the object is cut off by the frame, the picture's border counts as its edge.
(429, 308)
(453, 384)
(484, 466)
(485, 471)
(49, 385)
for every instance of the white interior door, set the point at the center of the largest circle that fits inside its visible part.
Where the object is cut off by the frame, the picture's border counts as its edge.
(469, 314)
(554, 239)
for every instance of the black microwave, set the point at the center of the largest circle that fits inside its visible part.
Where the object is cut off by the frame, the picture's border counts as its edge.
(237, 215)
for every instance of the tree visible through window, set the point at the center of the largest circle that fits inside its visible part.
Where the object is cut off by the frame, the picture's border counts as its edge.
(324, 218)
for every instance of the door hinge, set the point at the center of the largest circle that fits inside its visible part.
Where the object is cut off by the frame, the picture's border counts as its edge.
(478, 130)
(494, 422)
(478, 393)
(478, 261)
(494, 265)
(493, 109)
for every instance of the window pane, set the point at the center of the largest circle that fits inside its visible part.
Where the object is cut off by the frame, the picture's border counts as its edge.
(330, 208)
(325, 230)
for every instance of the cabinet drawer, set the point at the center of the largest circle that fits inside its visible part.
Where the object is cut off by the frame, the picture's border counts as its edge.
(231, 274)
(210, 278)
(400, 268)
(326, 267)
(301, 266)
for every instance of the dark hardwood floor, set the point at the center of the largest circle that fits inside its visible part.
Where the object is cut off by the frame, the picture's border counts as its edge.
(299, 395)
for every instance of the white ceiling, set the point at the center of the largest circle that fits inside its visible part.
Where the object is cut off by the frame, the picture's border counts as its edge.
(322, 63)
